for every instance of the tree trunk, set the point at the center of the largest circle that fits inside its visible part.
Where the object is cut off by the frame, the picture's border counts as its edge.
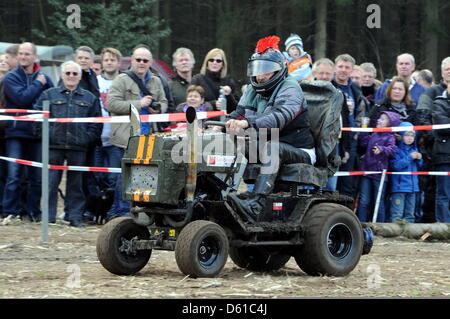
(155, 15)
(320, 40)
(430, 34)
(342, 29)
(439, 231)
(165, 44)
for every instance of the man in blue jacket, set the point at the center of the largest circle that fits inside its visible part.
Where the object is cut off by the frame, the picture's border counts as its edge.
(70, 141)
(405, 67)
(22, 87)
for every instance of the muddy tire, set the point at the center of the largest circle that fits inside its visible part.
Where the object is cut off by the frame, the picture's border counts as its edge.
(201, 249)
(258, 258)
(333, 241)
(111, 246)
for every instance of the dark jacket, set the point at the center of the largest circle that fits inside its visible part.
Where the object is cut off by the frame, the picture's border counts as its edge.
(359, 112)
(2, 95)
(2, 105)
(386, 106)
(178, 87)
(21, 91)
(71, 104)
(171, 106)
(425, 138)
(211, 83)
(441, 115)
(427, 98)
(285, 109)
(385, 141)
(403, 162)
(369, 93)
(89, 82)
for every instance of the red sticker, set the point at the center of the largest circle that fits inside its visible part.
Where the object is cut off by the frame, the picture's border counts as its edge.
(277, 206)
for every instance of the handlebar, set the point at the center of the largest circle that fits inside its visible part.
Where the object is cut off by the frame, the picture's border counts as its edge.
(216, 123)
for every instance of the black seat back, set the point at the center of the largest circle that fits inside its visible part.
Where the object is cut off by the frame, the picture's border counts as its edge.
(324, 107)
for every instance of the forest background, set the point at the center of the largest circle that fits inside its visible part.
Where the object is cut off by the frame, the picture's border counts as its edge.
(328, 28)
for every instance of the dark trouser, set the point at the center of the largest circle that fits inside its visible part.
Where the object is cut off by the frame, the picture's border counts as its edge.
(28, 149)
(443, 194)
(272, 157)
(119, 207)
(367, 196)
(348, 185)
(105, 156)
(90, 186)
(3, 172)
(75, 200)
(427, 184)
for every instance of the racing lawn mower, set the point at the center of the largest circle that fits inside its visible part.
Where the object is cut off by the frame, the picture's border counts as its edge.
(181, 186)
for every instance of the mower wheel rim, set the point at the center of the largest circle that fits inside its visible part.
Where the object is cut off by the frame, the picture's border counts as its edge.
(208, 251)
(339, 240)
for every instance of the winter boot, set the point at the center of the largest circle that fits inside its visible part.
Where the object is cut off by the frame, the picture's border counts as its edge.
(255, 204)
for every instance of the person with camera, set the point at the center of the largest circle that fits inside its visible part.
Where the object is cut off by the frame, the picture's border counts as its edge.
(140, 87)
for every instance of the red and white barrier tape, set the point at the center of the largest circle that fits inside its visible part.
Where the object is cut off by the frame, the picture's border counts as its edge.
(181, 117)
(64, 167)
(32, 117)
(119, 170)
(167, 117)
(23, 111)
(397, 128)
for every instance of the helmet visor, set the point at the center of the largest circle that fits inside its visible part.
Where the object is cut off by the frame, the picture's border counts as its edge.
(258, 67)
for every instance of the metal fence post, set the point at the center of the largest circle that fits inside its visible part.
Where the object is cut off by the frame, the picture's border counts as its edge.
(44, 198)
(377, 203)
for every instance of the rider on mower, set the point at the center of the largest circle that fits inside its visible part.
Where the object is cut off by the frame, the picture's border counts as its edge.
(274, 100)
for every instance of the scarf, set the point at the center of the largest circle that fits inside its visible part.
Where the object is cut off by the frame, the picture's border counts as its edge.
(400, 108)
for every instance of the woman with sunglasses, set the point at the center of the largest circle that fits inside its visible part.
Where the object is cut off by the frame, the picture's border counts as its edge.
(213, 77)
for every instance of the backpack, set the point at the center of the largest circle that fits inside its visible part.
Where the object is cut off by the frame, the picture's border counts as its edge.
(324, 107)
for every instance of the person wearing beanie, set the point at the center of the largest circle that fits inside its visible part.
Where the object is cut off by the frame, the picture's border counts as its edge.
(405, 188)
(299, 62)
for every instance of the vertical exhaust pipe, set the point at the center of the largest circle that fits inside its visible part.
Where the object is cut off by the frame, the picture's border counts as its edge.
(192, 132)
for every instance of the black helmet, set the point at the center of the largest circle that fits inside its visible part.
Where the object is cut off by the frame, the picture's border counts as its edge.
(268, 61)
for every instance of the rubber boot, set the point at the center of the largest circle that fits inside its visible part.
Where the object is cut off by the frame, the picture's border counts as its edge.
(255, 204)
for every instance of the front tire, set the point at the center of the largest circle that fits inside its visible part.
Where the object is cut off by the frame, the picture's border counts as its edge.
(201, 249)
(113, 246)
(333, 241)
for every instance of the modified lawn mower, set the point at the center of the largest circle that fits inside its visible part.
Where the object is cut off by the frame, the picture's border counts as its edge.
(180, 184)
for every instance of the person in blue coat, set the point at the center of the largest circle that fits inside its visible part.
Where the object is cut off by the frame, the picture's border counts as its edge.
(22, 87)
(405, 188)
(405, 66)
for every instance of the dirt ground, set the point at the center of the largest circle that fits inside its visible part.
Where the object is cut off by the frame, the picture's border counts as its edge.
(67, 267)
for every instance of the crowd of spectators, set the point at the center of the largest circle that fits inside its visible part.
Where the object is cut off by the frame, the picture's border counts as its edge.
(92, 86)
